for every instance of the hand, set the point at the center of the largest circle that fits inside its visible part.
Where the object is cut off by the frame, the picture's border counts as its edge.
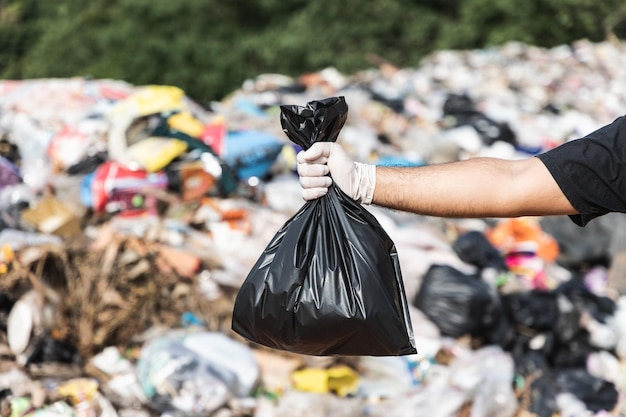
(355, 179)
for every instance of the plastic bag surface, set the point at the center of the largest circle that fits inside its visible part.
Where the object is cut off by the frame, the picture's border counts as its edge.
(457, 303)
(329, 281)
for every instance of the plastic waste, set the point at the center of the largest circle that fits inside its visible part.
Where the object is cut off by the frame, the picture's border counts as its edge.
(173, 378)
(56, 409)
(152, 99)
(619, 319)
(389, 377)
(47, 349)
(186, 122)
(474, 248)
(195, 372)
(19, 335)
(87, 164)
(543, 394)
(111, 362)
(19, 406)
(283, 194)
(9, 173)
(329, 282)
(341, 380)
(72, 143)
(457, 303)
(28, 321)
(120, 376)
(487, 375)
(527, 250)
(231, 360)
(251, 153)
(568, 405)
(190, 179)
(114, 188)
(552, 324)
(509, 234)
(78, 390)
(12, 379)
(162, 112)
(154, 153)
(214, 135)
(462, 110)
(17, 239)
(228, 179)
(426, 400)
(32, 142)
(606, 366)
(597, 394)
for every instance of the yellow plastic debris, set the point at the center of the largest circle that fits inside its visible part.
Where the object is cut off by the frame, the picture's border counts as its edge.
(341, 380)
(187, 123)
(155, 153)
(6, 253)
(155, 99)
(78, 390)
(289, 156)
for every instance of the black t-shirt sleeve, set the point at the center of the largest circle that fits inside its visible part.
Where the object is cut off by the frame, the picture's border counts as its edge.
(591, 171)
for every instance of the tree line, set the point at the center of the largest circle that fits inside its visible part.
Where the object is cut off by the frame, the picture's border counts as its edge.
(209, 47)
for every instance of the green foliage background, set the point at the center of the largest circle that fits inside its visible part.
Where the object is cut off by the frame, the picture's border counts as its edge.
(209, 47)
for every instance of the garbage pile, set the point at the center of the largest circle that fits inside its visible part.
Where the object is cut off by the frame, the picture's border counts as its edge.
(131, 215)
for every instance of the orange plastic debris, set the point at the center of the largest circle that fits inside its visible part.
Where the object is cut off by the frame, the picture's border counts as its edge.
(509, 234)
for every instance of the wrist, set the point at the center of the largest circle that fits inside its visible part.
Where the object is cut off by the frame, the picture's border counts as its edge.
(366, 177)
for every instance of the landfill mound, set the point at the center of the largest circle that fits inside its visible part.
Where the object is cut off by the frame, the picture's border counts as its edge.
(131, 215)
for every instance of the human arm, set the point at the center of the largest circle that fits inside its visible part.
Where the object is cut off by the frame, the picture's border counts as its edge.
(478, 187)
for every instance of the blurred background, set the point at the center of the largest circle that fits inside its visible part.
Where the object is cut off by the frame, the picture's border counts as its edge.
(209, 47)
(144, 171)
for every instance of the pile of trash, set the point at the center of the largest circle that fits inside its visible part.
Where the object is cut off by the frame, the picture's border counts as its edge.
(131, 215)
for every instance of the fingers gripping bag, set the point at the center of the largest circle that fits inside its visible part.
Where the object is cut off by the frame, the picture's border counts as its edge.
(329, 281)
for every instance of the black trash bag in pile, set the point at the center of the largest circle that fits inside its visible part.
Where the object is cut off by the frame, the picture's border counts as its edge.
(573, 351)
(549, 322)
(542, 393)
(462, 110)
(474, 248)
(329, 281)
(596, 393)
(460, 304)
(599, 307)
(534, 315)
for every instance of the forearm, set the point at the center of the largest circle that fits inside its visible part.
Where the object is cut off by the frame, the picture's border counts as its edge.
(479, 187)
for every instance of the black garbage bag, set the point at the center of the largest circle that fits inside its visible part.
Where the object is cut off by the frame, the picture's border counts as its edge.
(596, 393)
(459, 304)
(531, 363)
(48, 349)
(573, 353)
(461, 108)
(548, 322)
(542, 394)
(474, 248)
(599, 307)
(536, 309)
(329, 281)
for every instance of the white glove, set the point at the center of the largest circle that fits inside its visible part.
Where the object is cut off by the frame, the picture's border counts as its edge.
(357, 180)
